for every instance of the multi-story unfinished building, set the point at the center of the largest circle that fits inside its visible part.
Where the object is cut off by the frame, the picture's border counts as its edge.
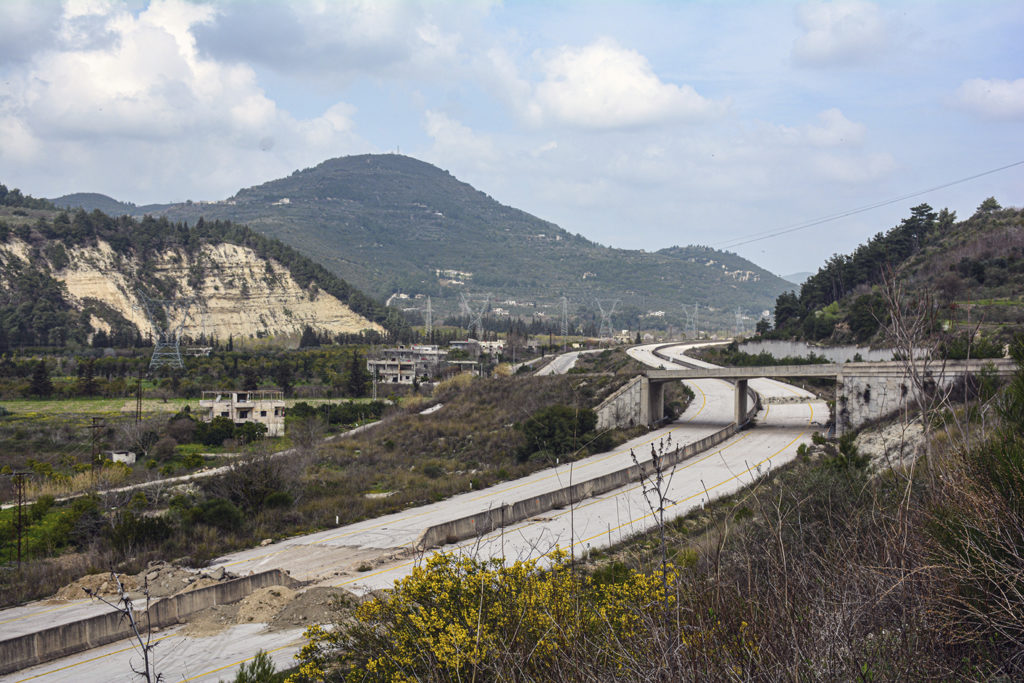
(403, 365)
(265, 406)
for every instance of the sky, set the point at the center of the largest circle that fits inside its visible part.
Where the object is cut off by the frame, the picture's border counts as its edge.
(637, 124)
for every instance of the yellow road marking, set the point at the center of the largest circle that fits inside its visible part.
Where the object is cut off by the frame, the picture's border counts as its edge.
(44, 611)
(93, 659)
(241, 661)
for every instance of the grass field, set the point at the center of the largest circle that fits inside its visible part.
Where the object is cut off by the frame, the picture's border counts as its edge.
(116, 406)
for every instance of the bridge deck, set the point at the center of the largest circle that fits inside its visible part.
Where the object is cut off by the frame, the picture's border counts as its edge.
(1000, 366)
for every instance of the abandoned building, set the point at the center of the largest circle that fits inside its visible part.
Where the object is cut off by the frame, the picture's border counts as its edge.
(265, 406)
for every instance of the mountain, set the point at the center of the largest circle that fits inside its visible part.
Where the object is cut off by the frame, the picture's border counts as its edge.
(71, 278)
(797, 278)
(389, 223)
(92, 201)
(970, 272)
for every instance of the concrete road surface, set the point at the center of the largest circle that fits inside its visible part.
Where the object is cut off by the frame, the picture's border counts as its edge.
(381, 548)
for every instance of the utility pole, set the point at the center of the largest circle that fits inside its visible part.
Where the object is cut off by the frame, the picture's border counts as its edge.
(18, 479)
(138, 398)
(95, 427)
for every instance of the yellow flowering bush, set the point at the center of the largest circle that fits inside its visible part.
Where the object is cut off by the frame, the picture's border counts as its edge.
(457, 618)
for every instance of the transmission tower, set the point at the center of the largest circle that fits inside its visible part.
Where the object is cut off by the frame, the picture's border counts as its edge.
(691, 320)
(606, 331)
(430, 319)
(739, 322)
(565, 323)
(476, 317)
(166, 334)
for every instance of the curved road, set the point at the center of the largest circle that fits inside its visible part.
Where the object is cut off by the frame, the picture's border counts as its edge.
(334, 557)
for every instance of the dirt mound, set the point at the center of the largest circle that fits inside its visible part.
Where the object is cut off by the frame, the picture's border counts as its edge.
(314, 606)
(261, 605)
(211, 621)
(161, 578)
(279, 607)
(166, 579)
(97, 584)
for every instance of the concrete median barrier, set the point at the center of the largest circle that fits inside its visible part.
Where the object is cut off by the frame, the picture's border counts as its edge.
(76, 636)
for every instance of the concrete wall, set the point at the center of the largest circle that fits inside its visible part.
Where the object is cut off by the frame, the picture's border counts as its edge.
(59, 641)
(627, 407)
(504, 515)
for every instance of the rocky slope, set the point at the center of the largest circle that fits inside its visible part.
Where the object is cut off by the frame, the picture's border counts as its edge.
(70, 278)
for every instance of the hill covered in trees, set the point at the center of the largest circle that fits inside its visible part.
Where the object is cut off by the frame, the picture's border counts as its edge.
(70, 276)
(390, 223)
(971, 272)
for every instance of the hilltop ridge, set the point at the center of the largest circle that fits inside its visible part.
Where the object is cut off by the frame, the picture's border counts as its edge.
(390, 223)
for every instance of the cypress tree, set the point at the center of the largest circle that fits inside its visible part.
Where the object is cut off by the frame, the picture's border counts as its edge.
(41, 385)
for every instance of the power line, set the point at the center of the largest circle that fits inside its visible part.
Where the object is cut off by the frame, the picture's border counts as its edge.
(757, 237)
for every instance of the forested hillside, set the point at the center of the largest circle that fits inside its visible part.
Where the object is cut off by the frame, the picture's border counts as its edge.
(41, 248)
(971, 270)
(390, 223)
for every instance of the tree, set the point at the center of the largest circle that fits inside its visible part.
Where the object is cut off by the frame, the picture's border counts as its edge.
(989, 205)
(309, 338)
(258, 670)
(87, 378)
(763, 327)
(357, 376)
(787, 308)
(41, 386)
(283, 376)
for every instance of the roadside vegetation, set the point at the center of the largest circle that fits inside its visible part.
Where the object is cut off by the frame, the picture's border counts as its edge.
(481, 435)
(832, 568)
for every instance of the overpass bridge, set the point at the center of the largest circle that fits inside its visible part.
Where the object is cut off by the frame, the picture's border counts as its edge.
(864, 391)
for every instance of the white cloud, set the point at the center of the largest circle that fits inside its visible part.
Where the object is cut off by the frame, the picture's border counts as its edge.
(835, 130)
(839, 33)
(456, 141)
(335, 42)
(995, 97)
(604, 86)
(146, 88)
(855, 169)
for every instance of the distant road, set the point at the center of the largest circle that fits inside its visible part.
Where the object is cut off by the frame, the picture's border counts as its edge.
(563, 363)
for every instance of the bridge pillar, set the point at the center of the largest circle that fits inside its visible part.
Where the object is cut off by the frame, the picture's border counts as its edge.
(741, 401)
(839, 426)
(655, 402)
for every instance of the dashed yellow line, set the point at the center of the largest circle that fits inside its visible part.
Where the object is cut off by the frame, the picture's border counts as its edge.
(241, 661)
(44, 611)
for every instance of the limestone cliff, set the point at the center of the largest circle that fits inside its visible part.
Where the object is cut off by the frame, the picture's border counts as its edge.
(236, 292)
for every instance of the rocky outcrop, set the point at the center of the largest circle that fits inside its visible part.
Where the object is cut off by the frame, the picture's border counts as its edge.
(237, 293)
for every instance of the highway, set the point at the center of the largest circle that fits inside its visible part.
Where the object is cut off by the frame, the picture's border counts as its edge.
(373, 554)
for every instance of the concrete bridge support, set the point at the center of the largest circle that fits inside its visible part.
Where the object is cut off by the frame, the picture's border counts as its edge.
(741, 401)
(655, 401)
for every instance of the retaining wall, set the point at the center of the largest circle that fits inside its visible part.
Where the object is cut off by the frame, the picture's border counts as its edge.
(59, 641)
(492, 519)
(625, 407)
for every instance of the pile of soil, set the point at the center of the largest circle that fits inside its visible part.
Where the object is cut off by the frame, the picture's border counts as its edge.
(161, 578)
(96, 584)
(279, 607)
(262, 604)
(313, 606)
